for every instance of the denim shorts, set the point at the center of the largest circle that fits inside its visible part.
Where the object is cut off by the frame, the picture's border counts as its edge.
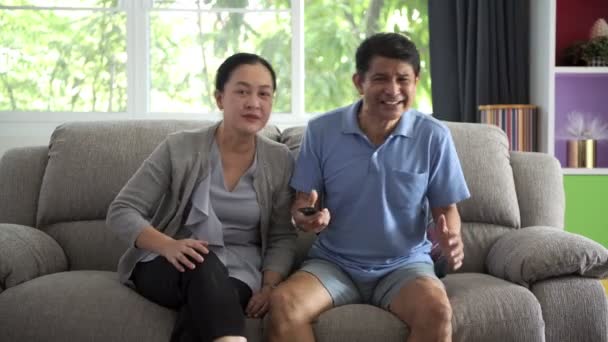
(344, 289)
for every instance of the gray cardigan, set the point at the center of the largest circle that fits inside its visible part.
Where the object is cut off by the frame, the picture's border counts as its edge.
(159, 193)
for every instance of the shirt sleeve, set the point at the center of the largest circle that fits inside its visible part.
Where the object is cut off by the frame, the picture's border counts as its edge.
(446, 179)
(307, 173)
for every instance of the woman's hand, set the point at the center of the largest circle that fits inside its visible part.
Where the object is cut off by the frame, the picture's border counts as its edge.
(182, 253)
(258, 304)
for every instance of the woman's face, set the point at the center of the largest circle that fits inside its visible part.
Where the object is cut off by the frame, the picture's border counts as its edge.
(247, 98)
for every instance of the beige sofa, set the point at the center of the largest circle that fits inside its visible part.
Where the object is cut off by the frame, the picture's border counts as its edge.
(523, 278)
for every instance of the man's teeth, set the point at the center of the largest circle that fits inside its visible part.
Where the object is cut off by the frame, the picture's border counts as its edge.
(391, 102)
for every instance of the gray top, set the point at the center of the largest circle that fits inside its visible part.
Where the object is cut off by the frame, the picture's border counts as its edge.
(160, 190)
(239, 215)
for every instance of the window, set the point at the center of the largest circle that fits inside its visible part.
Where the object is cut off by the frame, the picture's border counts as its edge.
(63, 59)
(144, 58)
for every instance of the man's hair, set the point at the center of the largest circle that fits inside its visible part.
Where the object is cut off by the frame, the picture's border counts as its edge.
(388, 45)
(231, 63)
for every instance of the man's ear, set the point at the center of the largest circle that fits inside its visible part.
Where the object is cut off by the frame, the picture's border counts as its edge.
(358, 82)
(218, 99)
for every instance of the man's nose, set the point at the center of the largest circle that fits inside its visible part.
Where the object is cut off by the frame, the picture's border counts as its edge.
(392, 87)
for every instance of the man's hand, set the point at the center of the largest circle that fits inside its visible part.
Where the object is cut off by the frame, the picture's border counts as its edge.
(450, 243)
(309, 223)
(180, 253)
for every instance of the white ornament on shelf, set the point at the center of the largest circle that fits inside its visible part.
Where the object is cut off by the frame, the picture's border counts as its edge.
(583, 126)
(599, 29)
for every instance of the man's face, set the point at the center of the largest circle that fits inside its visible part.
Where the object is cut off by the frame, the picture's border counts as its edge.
(388, 87)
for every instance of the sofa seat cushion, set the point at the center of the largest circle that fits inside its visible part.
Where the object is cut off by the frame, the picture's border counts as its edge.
(486, 308)
(359, 323)
(85, 306)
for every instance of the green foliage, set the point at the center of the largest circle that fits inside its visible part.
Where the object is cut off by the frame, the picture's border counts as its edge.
(76, 61)
(63, 62)
(584, 52)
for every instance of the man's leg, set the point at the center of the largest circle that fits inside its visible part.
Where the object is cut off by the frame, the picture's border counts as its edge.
(299, 300)
(416, 296)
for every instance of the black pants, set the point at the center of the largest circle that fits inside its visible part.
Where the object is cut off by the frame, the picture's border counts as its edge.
(210, 304)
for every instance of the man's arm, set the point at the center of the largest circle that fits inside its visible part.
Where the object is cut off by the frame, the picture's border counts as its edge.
(448, 233)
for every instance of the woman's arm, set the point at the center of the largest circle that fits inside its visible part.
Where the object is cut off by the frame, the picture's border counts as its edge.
(132, 209)
(281, 238)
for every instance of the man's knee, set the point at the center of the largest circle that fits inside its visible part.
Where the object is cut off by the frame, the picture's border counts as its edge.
(284, 306)
(440, 310)
(423, 303)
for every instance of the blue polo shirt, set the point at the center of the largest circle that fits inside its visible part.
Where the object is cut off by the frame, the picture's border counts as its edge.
(378, 196)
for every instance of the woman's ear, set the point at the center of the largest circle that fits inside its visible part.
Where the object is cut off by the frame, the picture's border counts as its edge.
(218, 99)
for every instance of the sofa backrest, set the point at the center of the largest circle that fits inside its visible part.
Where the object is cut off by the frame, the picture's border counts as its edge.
(88, 163)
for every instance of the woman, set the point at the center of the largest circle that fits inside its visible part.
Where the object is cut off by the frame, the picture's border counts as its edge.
(207, 214)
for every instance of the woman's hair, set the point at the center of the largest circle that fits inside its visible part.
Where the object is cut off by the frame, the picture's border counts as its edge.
(388, 45)
(225, 70)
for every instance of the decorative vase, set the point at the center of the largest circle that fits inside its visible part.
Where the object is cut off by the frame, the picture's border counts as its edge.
(582, 153)
(599, 29)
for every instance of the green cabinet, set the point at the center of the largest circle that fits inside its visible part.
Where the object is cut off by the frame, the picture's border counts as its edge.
(587, 206)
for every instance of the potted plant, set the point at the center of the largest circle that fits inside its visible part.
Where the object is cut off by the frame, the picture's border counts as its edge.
(593, 52)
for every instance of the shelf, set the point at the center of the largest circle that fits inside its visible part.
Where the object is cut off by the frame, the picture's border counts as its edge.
(581, 70)
(583, 171)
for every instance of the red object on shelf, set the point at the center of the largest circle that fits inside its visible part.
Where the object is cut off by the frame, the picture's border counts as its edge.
(574, 20)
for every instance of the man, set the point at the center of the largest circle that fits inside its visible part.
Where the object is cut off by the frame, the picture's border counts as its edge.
(383, 168)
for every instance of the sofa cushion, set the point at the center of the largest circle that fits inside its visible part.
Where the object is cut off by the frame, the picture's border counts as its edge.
(359, 323)
(478, 239)
(83, 241)
(27, 253)
(484, 155)
(21, 171)
(86, 306)
(536, 253)
(292, 137)
(490, 309)
(89, 162)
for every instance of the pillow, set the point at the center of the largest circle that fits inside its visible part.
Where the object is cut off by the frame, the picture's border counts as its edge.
(532, 254)
(27, 253)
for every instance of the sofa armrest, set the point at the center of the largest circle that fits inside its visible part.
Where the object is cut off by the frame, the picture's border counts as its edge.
(540, 189)
(536, 253)
(27, 253)
(574, 309)
(21, 172)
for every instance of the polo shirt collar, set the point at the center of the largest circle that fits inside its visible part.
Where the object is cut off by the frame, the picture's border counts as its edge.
(350, 124)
